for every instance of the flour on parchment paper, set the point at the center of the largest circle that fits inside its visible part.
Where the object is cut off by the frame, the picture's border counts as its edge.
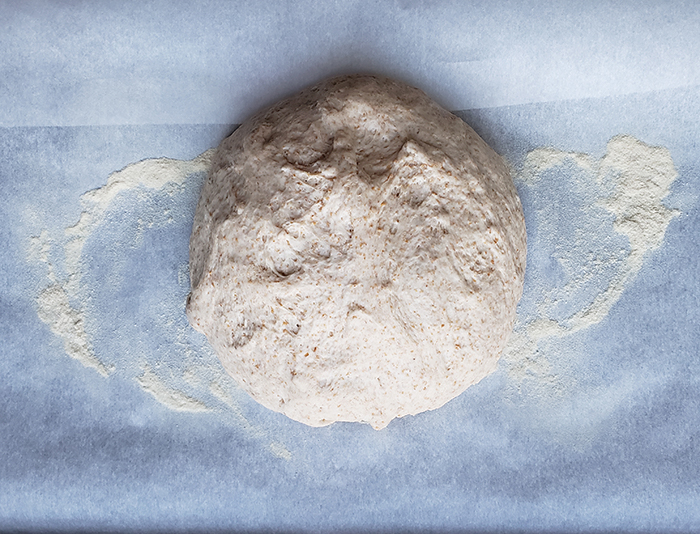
(54, 309)
(54, 303)
(616, 215)
(61, 304)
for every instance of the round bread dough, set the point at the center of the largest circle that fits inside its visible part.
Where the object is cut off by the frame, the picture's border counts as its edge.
(357, 254)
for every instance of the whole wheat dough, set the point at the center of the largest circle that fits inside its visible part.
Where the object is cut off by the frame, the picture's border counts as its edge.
(357, 254)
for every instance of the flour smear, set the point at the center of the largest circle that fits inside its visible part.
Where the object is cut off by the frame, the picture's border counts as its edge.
(127, 208)
(587, 245)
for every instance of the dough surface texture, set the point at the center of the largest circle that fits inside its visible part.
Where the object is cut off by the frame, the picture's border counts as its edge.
(357, 254)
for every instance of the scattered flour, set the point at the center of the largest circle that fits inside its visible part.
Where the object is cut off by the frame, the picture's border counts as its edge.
(54, 309)
(151, 174)
(166, 395)
(68, 324)
(629, 183)
(61, 304)
(53, 303)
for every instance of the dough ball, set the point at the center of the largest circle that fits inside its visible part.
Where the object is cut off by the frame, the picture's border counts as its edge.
(357, 254)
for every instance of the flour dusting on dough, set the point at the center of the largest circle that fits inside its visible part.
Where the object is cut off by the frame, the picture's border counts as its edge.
(357, 254)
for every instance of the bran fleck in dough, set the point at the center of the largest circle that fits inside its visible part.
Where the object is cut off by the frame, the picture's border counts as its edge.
(357, 254)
